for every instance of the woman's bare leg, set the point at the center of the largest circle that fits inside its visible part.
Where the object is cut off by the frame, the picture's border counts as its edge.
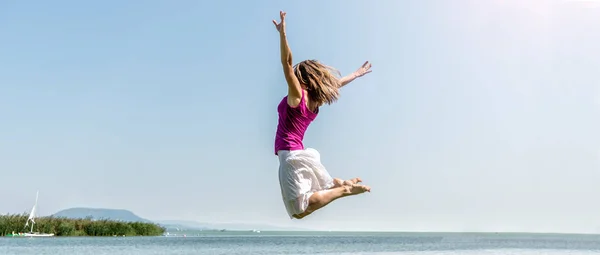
(322, 198)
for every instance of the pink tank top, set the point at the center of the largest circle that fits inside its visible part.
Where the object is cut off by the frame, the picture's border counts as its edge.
(293, 122)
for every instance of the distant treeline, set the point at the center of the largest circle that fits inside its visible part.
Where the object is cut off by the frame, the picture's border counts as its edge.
(77, 227)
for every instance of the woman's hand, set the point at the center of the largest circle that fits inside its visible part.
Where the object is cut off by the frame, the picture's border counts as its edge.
(281, 26)
(364, 69)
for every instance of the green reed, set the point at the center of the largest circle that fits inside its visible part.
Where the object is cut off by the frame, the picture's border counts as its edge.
(77, 227)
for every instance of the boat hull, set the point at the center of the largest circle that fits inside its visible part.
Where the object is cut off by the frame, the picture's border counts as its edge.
(29, 235)
(37, 235)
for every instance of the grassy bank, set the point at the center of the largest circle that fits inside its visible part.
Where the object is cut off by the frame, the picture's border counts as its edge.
(77, 227)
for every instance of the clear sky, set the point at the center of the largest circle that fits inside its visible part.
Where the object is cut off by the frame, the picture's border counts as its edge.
(478, 115)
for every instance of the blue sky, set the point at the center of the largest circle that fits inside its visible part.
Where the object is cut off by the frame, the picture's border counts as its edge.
(478, 115)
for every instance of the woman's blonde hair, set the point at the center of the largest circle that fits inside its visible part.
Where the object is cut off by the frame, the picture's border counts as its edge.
(321, 83)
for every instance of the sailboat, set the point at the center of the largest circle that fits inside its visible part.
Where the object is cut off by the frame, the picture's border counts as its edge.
(32, 219)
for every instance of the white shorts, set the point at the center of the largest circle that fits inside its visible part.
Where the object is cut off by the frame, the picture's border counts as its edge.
(300, 175)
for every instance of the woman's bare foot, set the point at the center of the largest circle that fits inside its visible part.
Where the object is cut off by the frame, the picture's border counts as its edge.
(352, 181)
(337, 182)
(357, 189)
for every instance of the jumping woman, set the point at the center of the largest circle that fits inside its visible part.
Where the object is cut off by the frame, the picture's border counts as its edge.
(306, 186)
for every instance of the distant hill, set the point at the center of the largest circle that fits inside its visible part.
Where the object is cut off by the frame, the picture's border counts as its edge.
(97, 213)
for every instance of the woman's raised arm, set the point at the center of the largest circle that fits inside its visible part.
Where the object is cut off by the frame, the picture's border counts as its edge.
(294, 88)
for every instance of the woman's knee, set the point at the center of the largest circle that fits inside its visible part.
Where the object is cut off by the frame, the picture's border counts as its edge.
(301, 215)
(315, 201)
(313, 204)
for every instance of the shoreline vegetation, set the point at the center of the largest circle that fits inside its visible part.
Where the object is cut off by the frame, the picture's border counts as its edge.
(61, 226)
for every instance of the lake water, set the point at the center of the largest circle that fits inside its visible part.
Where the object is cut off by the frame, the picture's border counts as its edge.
(233, 243)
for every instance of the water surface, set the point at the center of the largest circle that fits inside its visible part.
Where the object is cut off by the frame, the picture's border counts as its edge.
(234, 243)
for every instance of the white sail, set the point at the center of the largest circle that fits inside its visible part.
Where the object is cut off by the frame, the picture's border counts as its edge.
(31, 218)
(32, 213)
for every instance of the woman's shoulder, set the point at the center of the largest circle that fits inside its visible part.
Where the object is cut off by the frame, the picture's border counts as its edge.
(294, 101)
